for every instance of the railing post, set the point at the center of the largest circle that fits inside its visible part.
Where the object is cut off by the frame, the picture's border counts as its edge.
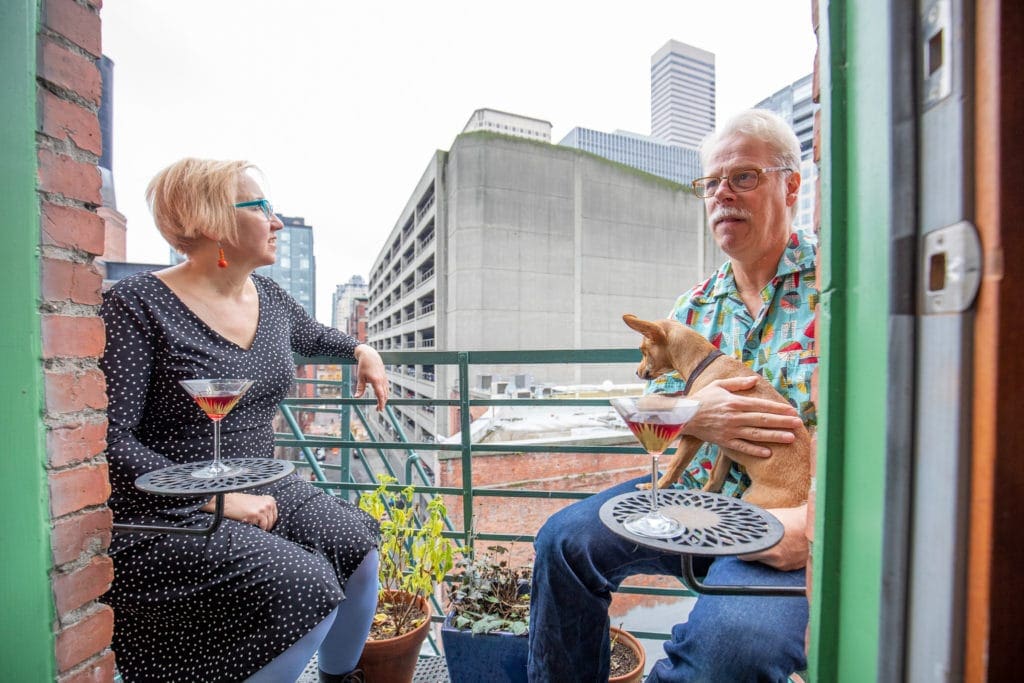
(346, 425)
(293, 424)
(465, 420)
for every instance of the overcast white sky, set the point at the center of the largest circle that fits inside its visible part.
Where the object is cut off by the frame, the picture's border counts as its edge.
(342, 104)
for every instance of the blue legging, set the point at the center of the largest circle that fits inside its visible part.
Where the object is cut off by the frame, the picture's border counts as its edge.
(339, 637)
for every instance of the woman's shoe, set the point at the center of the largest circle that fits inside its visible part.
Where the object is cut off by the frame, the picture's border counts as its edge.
(354, 676)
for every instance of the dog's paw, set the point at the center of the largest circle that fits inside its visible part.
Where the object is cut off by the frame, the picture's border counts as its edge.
(644, 487)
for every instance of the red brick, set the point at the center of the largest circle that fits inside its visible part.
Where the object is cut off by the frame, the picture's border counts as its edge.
(100, 670)
(75, 22)
(87, 532)
(69, 70)
(72, 228)
(77, 488)
(69, 444)
(80, 283)
(553, 471)
(69, 336)
(62, 120)
(86, 637)
(63, 175)
(69, 392)
(73, 589)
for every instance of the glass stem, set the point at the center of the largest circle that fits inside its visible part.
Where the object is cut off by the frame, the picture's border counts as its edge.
(654, 483)
(216, 446)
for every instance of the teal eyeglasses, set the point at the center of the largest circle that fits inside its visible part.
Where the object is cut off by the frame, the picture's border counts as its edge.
(265, 206)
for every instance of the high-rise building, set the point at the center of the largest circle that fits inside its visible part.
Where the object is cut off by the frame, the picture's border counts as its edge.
(796, 105)
(506, 243)
(344, 302)
(295, 267)
(672, 162)
(682, 113)
(682, 94)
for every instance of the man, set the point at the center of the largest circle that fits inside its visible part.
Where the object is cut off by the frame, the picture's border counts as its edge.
(759, 307)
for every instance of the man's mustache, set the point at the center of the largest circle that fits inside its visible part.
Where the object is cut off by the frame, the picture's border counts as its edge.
(724, 212)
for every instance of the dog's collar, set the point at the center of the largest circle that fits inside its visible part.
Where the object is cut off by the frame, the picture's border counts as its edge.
(701, 367)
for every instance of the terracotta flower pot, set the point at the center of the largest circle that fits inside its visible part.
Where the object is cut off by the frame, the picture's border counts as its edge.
(393, 660)
(627, 638)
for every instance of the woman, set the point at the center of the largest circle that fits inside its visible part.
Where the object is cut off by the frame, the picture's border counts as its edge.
(291, 568)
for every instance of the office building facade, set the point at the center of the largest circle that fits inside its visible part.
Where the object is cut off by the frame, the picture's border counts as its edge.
(682, 94)
(344, 302)
(295, 267)
(672, 162)
(795, 103)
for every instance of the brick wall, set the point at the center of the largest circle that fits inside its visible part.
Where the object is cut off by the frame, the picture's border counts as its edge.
(548, 471)
(71, 235)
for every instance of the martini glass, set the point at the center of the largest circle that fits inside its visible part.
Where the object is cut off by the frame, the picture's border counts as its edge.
(656, 420)
(216, 397)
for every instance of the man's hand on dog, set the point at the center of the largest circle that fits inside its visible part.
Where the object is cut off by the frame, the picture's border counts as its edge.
(733, 421)
(791, 552)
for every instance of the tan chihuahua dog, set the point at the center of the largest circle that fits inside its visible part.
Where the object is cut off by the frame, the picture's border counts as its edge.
(779, 481)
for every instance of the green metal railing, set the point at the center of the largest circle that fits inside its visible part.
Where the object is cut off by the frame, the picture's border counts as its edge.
(357, 453)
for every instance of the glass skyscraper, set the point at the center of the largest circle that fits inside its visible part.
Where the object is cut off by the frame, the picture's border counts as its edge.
(295, 269)
(672, 162)
(796, 105)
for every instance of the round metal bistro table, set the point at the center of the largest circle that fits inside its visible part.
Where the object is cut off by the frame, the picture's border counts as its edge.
(177, 480)
(712, 525)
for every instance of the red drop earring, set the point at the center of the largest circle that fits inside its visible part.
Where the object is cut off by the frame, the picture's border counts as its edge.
(221, 261)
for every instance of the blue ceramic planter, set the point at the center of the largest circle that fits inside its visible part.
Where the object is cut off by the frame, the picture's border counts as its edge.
(498, 657)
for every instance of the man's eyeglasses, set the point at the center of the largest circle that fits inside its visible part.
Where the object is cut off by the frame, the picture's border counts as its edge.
(743, 180)
(265, 206)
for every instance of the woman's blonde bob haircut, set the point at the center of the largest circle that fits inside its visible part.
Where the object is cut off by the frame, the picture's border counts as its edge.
(195, 198)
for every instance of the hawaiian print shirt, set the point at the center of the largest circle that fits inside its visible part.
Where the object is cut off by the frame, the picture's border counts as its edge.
(778, 343)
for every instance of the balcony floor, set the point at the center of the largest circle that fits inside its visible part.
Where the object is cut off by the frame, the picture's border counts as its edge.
(428, 670)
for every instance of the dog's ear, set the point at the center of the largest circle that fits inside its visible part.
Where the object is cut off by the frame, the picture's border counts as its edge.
(647, 328)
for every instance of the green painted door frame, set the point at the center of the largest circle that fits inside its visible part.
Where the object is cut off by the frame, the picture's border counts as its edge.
(855, 173)
(26, 627)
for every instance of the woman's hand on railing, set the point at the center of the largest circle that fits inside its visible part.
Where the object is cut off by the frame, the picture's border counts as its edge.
(370, 370)
(260, 511)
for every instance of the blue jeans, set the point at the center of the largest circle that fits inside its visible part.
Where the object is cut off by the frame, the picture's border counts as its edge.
(580, 562)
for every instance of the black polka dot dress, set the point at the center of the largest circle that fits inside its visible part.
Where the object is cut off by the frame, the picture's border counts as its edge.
(220, 607)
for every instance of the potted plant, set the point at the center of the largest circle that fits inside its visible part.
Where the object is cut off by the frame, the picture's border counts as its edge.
(485, 631)
(414, 557)
(627, 657)
(486, 628)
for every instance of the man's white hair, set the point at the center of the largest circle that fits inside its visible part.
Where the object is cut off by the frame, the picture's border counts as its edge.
(763, 125)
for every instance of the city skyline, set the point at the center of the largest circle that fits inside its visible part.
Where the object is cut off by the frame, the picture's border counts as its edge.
(344, 120)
